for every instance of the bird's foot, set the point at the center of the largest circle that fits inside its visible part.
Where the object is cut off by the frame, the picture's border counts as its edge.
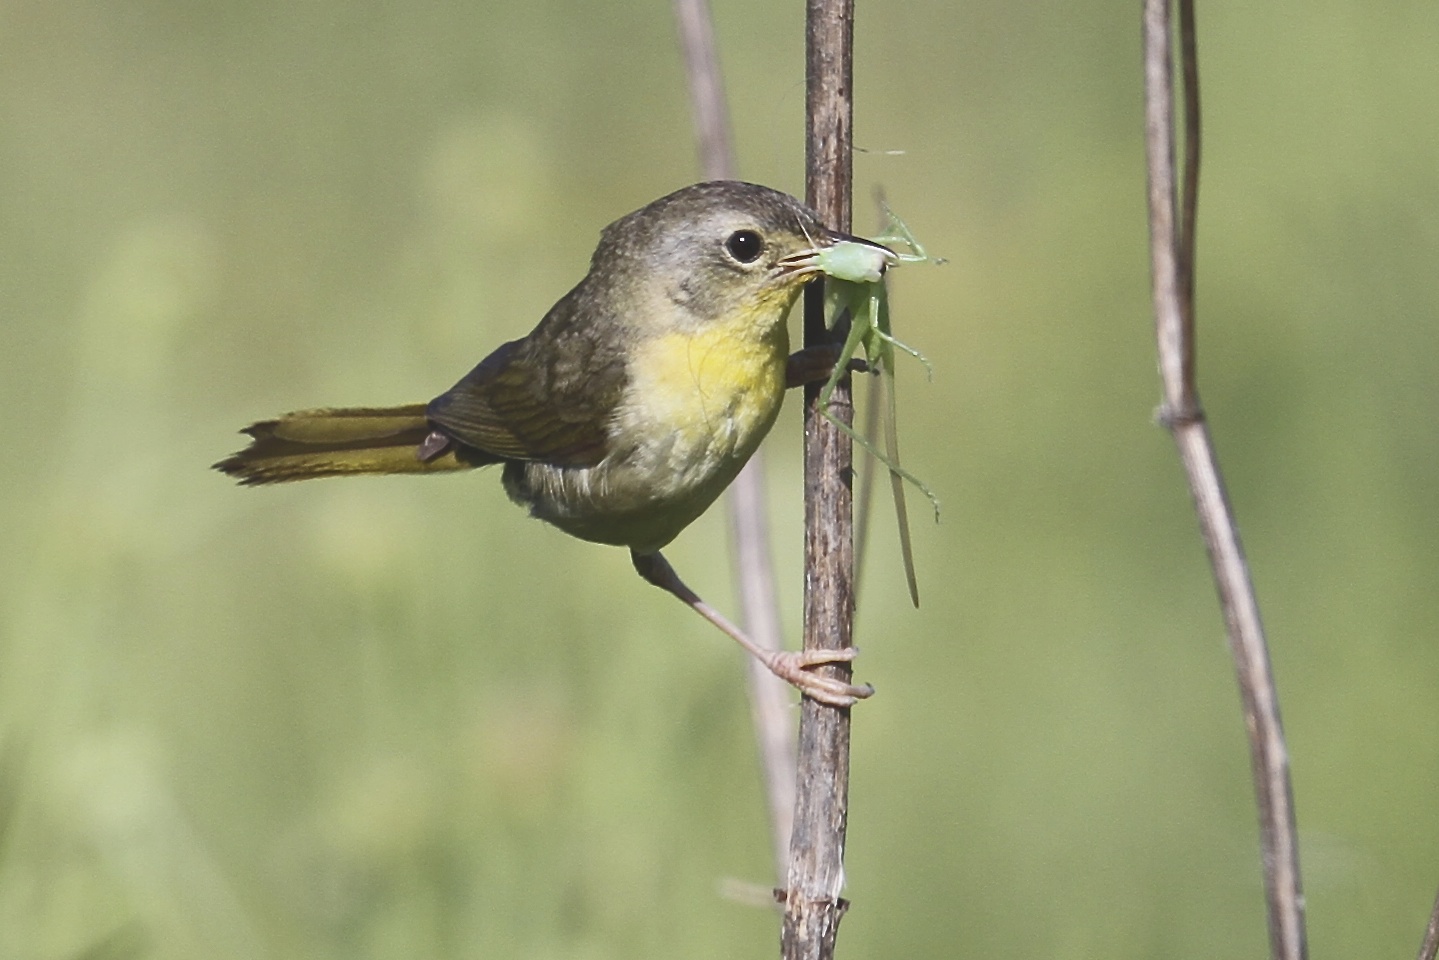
(795, 668)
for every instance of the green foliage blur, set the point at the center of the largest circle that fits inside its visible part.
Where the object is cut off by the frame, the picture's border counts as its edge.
(396, 718)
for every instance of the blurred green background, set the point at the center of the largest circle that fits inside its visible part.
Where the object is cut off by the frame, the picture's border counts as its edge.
(398, 719)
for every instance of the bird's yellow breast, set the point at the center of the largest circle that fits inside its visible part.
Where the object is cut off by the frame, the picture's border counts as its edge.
(712, 393)
(697, 404)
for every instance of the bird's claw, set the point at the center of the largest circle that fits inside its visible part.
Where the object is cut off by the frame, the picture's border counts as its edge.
(794, 667)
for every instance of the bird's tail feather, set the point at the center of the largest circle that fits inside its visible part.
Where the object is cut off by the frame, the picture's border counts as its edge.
(337, 443)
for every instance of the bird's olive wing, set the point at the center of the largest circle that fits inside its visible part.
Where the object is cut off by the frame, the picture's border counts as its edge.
(548, 397)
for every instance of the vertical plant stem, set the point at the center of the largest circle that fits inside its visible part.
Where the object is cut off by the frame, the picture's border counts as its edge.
(708, 105)
(1172, 261)
(1430, 946)
(770, 708)
(813, 906)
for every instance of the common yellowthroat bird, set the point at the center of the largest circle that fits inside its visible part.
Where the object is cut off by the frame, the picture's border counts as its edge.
(631, 406)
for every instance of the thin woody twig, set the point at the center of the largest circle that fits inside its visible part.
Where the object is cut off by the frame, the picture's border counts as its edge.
(770, 708)
(1189, 56)
(1172, 261)
(706, 86)
(1430, 946)
(813, 907)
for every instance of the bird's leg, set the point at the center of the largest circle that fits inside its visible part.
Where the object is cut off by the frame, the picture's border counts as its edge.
(791, 666)
(815, 364)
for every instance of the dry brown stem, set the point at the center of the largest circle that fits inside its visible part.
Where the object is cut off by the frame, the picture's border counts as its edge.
(813, 906)
(1172, 259)
(770, 707)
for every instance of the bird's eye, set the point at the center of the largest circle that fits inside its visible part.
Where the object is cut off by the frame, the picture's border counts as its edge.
(745, 246)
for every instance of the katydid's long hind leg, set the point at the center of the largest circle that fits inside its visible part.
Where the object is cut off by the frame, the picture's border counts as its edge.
(791, 666)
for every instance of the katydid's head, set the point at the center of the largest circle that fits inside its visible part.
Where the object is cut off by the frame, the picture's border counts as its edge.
(852, 259)
(856, 260)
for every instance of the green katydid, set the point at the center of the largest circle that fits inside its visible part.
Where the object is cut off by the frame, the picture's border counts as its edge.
(855, 284)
